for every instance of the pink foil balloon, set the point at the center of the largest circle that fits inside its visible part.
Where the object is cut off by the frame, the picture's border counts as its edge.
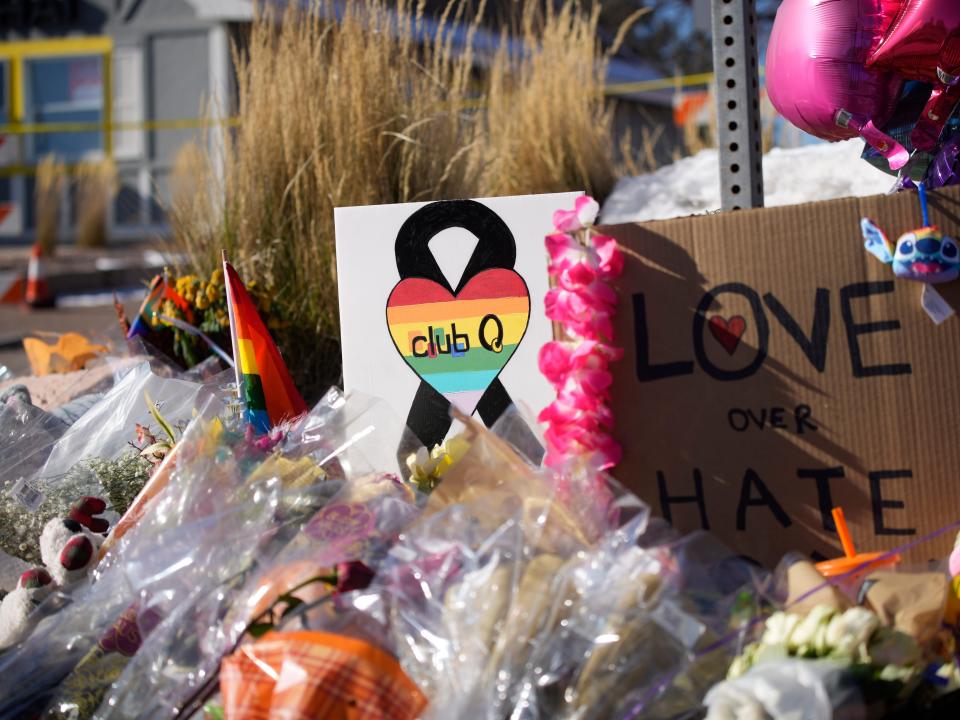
(923, 37)
(817, 76)
(923, 43)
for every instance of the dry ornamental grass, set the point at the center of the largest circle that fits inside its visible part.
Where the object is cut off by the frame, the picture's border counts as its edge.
(381, 107)
(47, 194)
(96, 184)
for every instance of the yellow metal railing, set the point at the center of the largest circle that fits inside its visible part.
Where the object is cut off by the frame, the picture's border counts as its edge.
(15, 53)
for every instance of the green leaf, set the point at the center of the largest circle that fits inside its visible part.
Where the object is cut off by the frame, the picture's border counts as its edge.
(214, 711)
(292, 604)
(258, 630)
(159, 418)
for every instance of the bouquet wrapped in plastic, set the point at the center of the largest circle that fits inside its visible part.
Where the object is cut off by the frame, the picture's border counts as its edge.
(507, 599)
(54, 464)
(179, 588)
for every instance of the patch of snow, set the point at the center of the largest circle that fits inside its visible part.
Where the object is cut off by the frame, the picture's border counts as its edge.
(796, 175)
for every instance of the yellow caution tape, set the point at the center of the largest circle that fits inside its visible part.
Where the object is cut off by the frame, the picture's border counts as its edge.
(676, 82)
(76, 127)
(659, 84)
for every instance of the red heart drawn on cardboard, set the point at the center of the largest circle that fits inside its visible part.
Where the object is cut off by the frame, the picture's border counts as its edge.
(728, 332)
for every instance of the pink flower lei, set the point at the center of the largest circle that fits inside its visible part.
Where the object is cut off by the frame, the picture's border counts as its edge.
(582, 264)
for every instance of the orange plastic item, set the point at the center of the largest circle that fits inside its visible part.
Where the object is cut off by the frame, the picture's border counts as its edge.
(72, 351)
(304, 675)
(867, 562)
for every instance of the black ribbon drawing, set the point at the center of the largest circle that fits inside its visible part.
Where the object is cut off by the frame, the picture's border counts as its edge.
(429, 417)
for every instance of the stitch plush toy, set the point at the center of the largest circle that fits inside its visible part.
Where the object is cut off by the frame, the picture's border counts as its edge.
(68, 547)
(925, 255)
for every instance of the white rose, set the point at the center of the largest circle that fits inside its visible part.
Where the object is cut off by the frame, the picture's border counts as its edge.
(741, 663)
(849, 632)
(811, 631)
(779, 628)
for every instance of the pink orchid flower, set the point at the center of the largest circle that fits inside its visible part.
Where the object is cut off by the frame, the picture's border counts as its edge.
(576, 276)
(554, 361)
(585, 313)
(609, 256)
(564, 250)
(584, 213)
(598, 449)
(558, 359)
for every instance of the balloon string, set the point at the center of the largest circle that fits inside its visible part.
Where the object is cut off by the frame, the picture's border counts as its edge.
(654, 692)
(922, 189)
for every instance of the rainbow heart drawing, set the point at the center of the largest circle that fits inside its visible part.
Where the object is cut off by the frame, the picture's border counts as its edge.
(459, 343)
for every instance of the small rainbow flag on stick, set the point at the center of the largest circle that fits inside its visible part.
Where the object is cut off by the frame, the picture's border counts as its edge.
(263, 381)
(158, 291)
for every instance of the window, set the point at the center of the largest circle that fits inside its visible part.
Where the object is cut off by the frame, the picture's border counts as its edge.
(9, 144)
(127, 203)
(65, 90)
(128, 101)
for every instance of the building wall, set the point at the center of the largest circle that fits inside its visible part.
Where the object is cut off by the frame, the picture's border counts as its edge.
(166, 65)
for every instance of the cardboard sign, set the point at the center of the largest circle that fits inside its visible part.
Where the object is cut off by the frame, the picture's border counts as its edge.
(442, 304)
(773, 369)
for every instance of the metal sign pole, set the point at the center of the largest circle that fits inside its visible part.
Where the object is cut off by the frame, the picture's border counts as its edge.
(738, 103)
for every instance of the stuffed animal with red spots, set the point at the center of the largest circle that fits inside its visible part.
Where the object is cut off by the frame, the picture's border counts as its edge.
(68, 547)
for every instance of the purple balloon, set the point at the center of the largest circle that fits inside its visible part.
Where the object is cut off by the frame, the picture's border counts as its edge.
(943, 170)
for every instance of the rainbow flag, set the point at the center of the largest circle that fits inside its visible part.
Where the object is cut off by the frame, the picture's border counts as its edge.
(266, 388)
(158, 291)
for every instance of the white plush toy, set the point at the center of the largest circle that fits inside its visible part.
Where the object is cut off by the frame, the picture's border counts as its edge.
(32, 587)
(68, 547)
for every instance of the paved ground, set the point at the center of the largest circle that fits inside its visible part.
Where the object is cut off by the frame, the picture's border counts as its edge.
(77, 275)
(16, 322)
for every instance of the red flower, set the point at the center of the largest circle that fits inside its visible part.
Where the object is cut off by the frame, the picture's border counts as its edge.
(353, 575)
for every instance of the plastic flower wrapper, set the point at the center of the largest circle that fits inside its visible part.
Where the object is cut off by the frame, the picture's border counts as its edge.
(317, 675)
(320, 525)
(26, 432)
(191, 546)
(887, 665)
(788, 688)
(93, 456)
(192, 535)
(461, 594)
(635, 629)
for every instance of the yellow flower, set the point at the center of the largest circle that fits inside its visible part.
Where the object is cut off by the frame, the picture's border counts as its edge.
(213, 292)
(169, 309)
(222, 318)
(216, 277)
(185, 284)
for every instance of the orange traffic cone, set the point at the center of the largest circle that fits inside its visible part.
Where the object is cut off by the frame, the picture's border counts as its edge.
(38, 292)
